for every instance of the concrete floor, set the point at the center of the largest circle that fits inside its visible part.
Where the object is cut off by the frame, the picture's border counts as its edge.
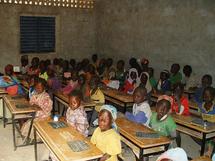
(27, 153)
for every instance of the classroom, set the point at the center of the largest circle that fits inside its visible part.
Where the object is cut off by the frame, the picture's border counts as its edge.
(107, 80)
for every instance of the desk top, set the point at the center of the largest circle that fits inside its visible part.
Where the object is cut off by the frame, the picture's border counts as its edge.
(56, 140)
(119, 95)
(14, 110)
(202, 159)
(2, 91)
(128, 129)
(65, 98)
(186, 121)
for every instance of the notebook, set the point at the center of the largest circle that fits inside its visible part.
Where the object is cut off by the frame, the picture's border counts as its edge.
(78, 145)
(141, 134)
(58, 124)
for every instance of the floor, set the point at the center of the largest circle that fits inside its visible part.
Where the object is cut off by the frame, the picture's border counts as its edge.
(7, 152)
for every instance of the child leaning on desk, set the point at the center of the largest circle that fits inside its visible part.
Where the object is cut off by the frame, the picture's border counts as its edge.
(105, 136)
(161, 121)
(141, 109)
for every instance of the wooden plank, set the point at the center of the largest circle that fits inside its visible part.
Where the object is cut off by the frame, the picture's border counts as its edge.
(128, 129)
(56, 140)
(204, 158)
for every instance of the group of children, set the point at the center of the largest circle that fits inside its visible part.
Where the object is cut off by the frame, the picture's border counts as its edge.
(83, 81)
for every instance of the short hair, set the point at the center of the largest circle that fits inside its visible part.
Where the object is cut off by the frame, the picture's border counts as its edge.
(76, 93)
(121, 61)
(165, 102)
(141, 89)
(188, 68)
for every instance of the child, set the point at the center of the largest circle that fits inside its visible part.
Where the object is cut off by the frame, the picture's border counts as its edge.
(141, 109)
(120, 73)
(164, 84)
(160, 120)
(131, 82)
(144, 82)
(97, 96)
(175, 76)
(105, 137)
(72, 64)
(188, 78)
(109, 72)
(84, 87)
(24, 64)
(134, 64)
(43, 73)
(95, 60)
(180, 103)
(41, 99)
(75, 115)
(152, 79)
(206, 82)
(72, 84)
(53, 83)
(34, 69)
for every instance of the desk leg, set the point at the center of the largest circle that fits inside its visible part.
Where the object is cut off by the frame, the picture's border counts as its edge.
(3, 111)
(53, 110)
(203, 144)
(141, 155)
(30, 128)
(14, 133)
(125, 106)
(35, 144)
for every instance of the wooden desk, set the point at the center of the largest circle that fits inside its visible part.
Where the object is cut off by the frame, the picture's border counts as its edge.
(202, 159)
(185, 126)
(64, 99)
(2, 93)
(28, 112)
(119, 98)
(56, 141)
(145, 146)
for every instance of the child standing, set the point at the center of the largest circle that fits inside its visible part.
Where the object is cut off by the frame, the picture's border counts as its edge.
(180, 103)
(75, 115)
(141, 109)
(160, 120)
(105, 137)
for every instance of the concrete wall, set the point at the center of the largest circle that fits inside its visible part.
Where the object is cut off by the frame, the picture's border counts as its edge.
(75, 32)
(164, 31)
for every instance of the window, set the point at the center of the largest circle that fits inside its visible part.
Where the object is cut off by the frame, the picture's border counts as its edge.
(37, 34)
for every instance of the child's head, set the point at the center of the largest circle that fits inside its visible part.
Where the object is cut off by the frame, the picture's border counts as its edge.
(133, 74)
(206, 80)
(208, 94)
(107, 116)
(163, 107)
(81, 79)
(65, 65)
(47, 62)
(151, 72)
(91, 69)
(178, 90)
(72, 63)
(94, 82)
(56, 61)
(175, 68)
(40, 85)
(187, 70)
(35, 62)
(120, 65)
(8, 69)
(42, 66)
(75, 99)
(109, 62)
(144, 78)
(94, 58)
(50, 73)
(164, 75)
(24, 60)
(139, 95)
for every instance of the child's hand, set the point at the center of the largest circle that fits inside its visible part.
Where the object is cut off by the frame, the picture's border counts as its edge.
(104, 157)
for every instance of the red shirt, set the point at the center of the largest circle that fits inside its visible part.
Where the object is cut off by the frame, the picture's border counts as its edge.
(184, 102)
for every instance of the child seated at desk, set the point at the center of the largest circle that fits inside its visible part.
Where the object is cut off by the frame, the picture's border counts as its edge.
(141, 109)
(131, 82)
(164, 84)
(180, 104)
(72, 84)
(42, 99)
(84, 87)
(161, 121)
(105, 136)
(75, 115)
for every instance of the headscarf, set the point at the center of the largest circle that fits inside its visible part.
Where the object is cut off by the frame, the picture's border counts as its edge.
(129, 73)
(176, 154)
(148, 84)
(113, 113)
(166, 97)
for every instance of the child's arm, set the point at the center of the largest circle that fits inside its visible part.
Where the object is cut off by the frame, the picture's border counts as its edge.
(139, 118)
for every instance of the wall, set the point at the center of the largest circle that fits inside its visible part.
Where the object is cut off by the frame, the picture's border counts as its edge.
(164, 31)
(75, 32)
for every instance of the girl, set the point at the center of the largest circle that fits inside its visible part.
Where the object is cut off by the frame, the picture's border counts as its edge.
(161, 121)
(41, 99)
(141, 109)
(131, 82)
(97, 96)
(84, 87)
(180, 103)
(144, 82)
(164, 84)
(105, 137)
(75, 115)
(34, 69)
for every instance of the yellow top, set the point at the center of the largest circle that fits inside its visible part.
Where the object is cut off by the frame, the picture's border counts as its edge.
(44, 76)
(108, 142)
(97, 97)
